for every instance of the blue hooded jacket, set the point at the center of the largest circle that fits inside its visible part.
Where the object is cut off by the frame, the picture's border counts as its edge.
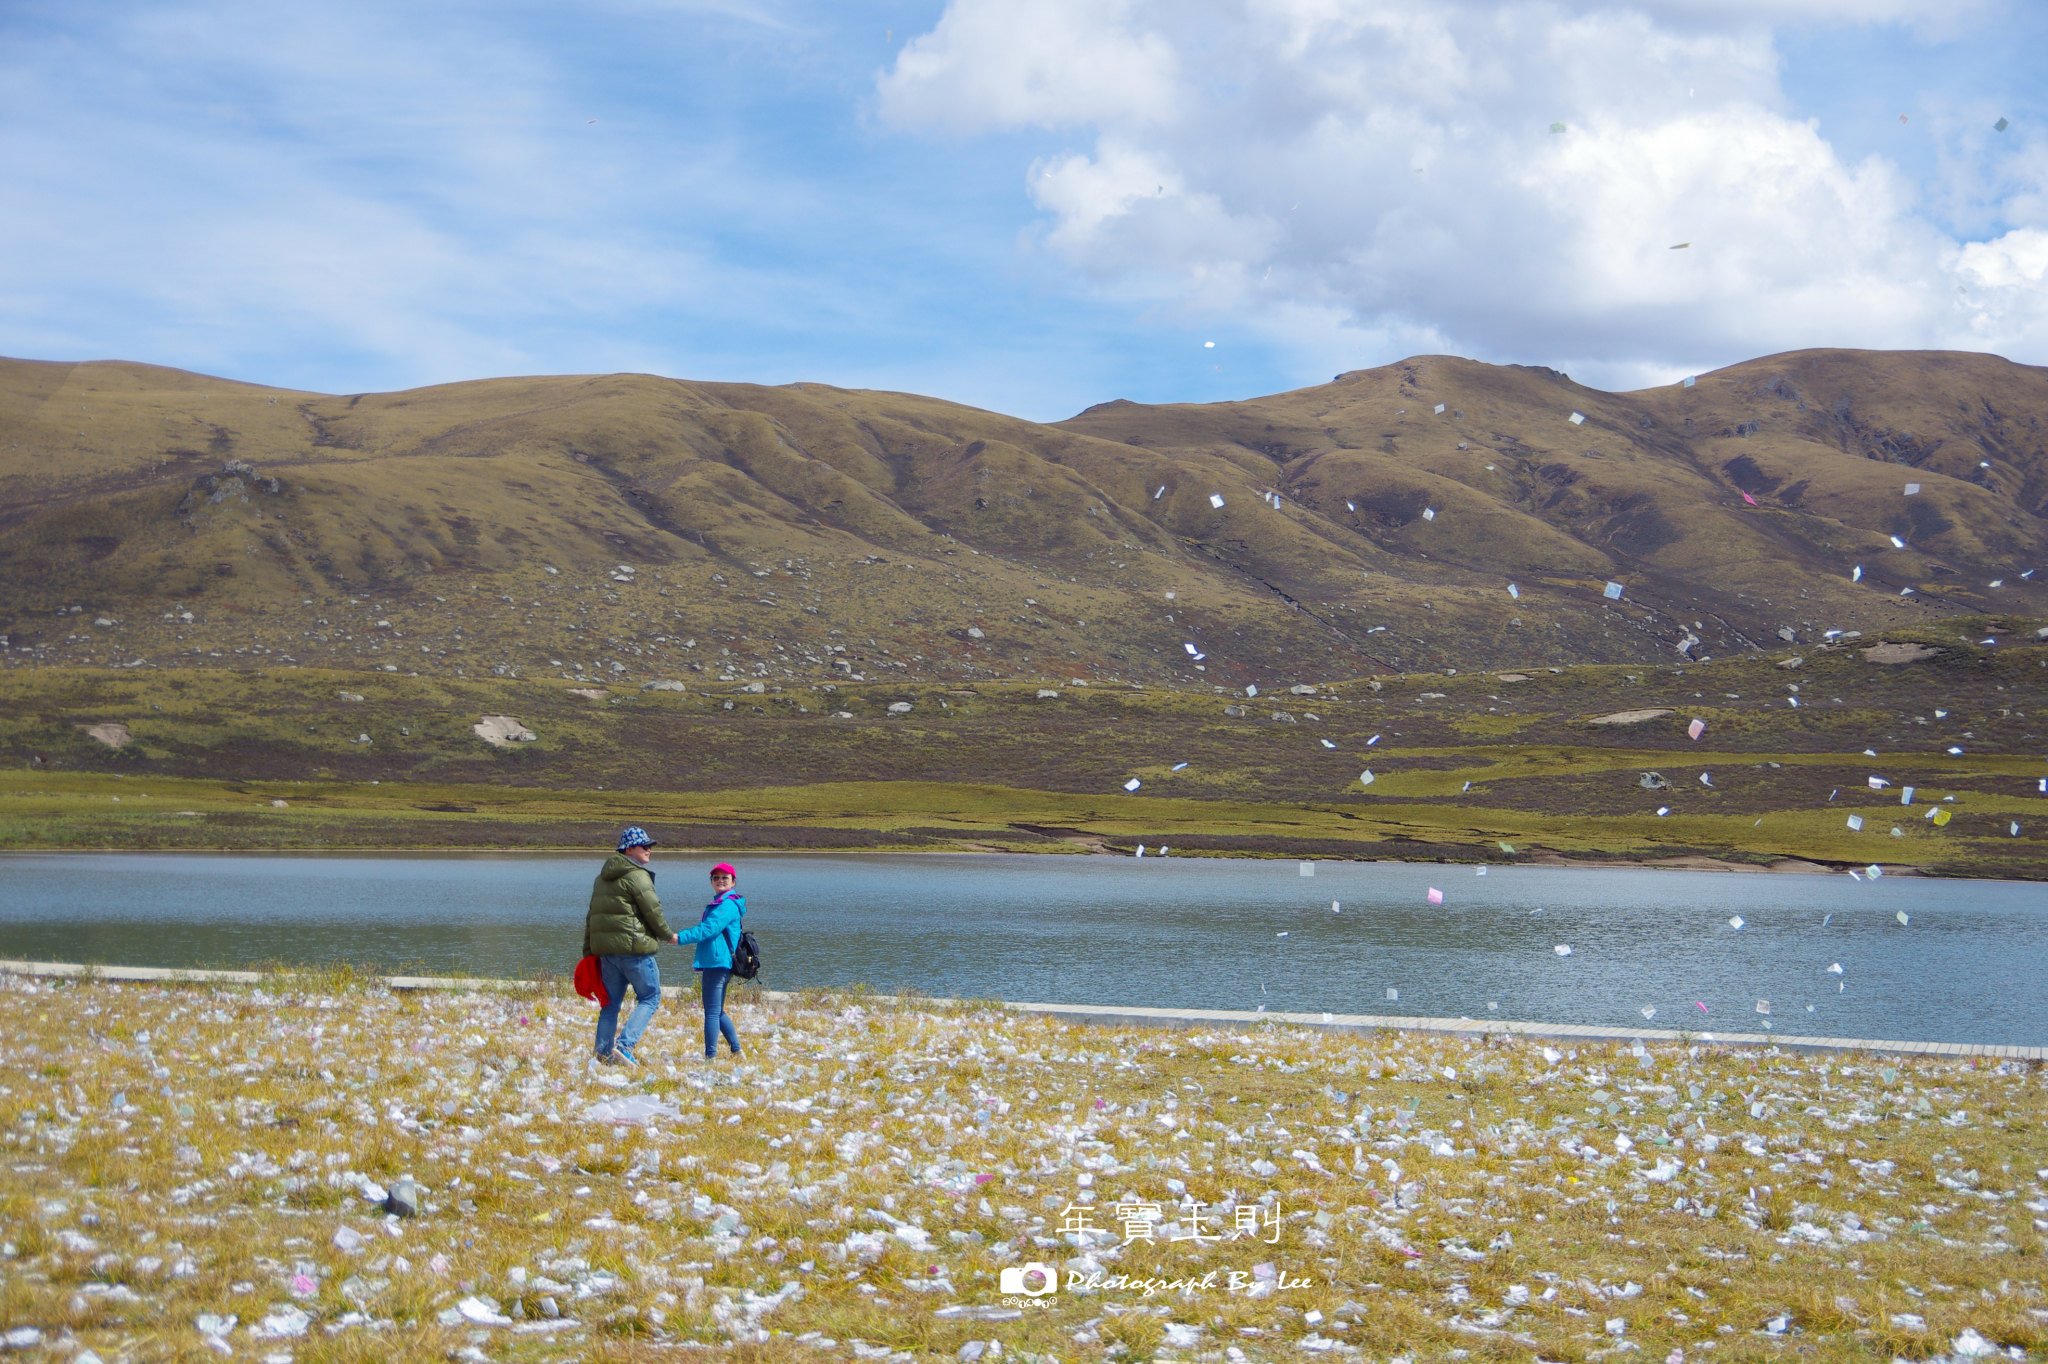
(714, 941)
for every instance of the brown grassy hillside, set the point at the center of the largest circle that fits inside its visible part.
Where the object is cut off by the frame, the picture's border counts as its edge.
(630, 527)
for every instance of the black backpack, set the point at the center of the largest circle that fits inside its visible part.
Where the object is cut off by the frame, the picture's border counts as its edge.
(746, 957)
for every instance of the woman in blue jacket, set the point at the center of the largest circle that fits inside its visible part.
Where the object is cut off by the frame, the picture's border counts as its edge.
(715, 935)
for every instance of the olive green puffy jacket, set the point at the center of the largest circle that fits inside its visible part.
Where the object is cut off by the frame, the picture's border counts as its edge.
(625, 915)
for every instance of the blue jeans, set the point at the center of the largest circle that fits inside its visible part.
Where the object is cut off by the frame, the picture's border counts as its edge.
(618, 971)
(715, 1021)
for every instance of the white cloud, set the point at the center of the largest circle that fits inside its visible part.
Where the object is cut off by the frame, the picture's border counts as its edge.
(1396, 166)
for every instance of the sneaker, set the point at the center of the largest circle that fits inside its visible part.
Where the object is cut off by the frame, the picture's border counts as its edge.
(609, 1058)
(625, 1054)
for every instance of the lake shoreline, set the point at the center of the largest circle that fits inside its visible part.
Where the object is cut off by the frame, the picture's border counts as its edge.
(1791, 866)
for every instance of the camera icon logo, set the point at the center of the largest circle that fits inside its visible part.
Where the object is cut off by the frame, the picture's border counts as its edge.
(1017, 1279)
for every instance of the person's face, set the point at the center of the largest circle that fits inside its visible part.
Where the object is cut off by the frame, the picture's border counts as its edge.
(640, 855)
(721, 881)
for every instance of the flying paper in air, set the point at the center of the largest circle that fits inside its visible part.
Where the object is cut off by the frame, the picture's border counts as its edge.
(1373, 740)
(1216, 500)
(1439, 409)
(1763, 1006)
(1942, 817)
(1392, 993)
(1365, 778)
(1326, 743)
(1856, 824)
(1178, 766)
(1688, 381)
(1835, 970)
(1873, 871)
(1480, 872)
(1507, 848)
(1562, 950)
(1736, 923)
(1436, 897)
(1706, 779)
(1857, 576)
(1351, 506)
(1514, 592)
(1681, 246)
(1663, 810)
(1161, 493)
(1878, 783)
(1192, 650)
(1429, 513)
(1132, 784)
(1612, 592)
(1897, 543)
(1208, 345)
(1906, 795)
(1696, 728)
(1747, 498)
(2001, 125)
(1557, 127)
(1308, 869)
(1578, 419)
(1912, 489)
(1251, 689)
(1901, 916)
(1649, 1011)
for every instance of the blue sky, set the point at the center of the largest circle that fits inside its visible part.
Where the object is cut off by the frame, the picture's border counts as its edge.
(1028, 206)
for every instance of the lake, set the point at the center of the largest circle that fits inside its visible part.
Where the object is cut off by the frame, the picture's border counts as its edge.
(1197, 933)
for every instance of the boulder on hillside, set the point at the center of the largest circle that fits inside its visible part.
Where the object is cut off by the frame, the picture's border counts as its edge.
(1899, 653)
(113, 736)
(1628, 717)
(503, 731)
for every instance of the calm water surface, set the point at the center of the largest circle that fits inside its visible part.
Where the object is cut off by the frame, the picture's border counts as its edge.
(1095, 930)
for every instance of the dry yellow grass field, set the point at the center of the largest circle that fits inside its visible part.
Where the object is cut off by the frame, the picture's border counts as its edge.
(192, 1168)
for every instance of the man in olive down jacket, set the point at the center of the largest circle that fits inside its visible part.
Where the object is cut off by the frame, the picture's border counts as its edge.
(624, 931)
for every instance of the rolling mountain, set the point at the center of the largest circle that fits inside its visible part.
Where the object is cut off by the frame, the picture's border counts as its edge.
(630, 528)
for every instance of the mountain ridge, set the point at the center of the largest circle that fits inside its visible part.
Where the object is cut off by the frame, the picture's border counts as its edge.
(213, 522)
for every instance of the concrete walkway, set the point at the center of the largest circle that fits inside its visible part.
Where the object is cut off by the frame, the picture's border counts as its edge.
(1118, 1017)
